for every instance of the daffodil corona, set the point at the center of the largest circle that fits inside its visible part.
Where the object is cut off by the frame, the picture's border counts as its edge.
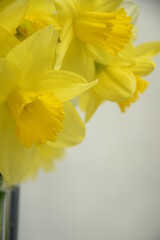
(110, 31)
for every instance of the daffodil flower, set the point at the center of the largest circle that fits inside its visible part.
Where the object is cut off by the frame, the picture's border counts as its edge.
(34, 104)
(121, 78)
(89, 27)
(143, 66)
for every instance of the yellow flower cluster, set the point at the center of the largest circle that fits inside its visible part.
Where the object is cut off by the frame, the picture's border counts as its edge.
(51, 52)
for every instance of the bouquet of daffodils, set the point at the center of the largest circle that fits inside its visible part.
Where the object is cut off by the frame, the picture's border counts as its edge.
(53, 51)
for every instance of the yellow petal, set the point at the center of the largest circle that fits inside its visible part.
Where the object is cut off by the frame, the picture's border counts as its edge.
(66, 38)
(11, 13)
(107, 5)
(84, 5)
(66, 8)
(89, 102)
(34, 55)
(15, 159)
(73, 128)
(45, 159)
(147, 49)
(7, 42)
(79, 61)
(141, 87)
(9, 78)
(38, 116)
(42, 6)
(115, 84)
(124, 58)
(46, 156)
(98, 54)
(143, 67)
(65, 85)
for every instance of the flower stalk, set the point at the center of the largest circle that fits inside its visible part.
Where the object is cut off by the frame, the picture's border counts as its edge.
(9, 203)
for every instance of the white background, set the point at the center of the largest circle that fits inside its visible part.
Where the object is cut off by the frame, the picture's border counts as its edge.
(107, 188)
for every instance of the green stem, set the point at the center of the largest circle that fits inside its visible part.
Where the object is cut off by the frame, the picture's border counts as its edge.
(9, 201)
(2, 208)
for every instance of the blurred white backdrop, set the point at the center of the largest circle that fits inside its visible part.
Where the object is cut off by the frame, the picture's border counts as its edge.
(109, 186)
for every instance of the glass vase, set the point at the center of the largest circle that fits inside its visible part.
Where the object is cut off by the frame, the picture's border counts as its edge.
(9, 201)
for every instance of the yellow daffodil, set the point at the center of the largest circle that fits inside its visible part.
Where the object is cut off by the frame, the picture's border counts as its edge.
(34, 107)
(144, 65)
(89, 27)
(120, 79)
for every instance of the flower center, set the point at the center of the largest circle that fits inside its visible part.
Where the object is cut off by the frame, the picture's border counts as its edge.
(38, 116)
(110, 31)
